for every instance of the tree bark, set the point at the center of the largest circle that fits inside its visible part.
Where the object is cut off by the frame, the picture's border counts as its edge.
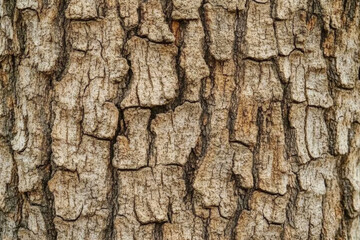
(179, 119)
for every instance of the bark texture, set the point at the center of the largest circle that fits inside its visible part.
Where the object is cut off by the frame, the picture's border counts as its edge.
(179, 119)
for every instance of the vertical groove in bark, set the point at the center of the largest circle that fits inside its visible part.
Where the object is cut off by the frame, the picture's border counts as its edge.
(113, 204)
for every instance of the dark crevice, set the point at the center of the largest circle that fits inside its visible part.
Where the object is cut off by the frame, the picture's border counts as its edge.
(204, 100)
(234, 102)
(167, 6)
(63, 60)
(189, 176)
(179, 70)
(230, 230)
(13, 198)
(206, 223)
(243, 195)
(114, 176)
(158, 231)
(346, 190)
(20, 27)
(350, 8)
(152, 137)
(256, 152)
(48, 211)
(125, 85)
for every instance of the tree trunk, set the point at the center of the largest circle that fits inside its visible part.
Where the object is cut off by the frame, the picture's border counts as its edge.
(179, 120)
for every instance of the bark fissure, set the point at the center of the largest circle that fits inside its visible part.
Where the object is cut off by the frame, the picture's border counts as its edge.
(179, 119)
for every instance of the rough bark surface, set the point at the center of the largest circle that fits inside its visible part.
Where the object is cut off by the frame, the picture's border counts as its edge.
(179, 119)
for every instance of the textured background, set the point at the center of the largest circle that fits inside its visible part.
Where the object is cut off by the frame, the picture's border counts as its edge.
(179, 119)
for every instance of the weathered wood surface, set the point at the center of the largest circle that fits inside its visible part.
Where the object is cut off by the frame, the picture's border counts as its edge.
(179, 119)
